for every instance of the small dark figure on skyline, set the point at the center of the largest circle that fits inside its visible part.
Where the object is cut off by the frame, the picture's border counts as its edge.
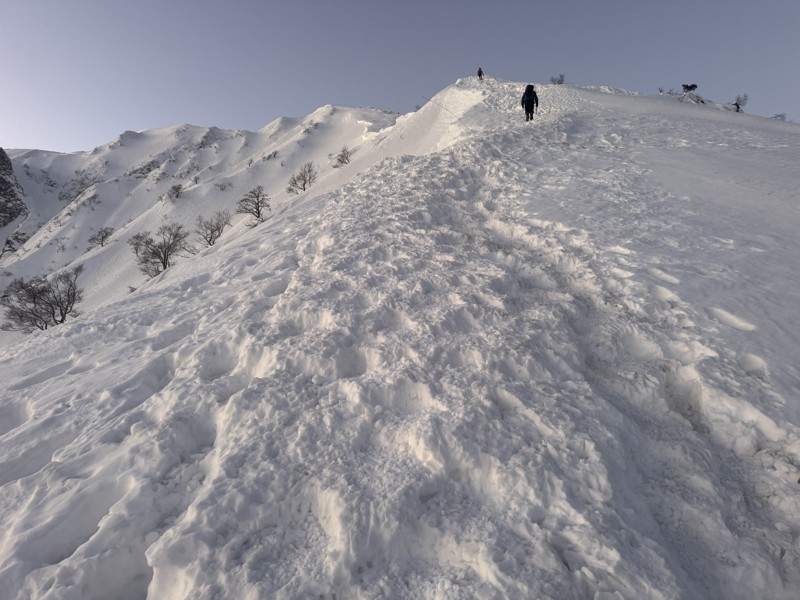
(530, 102)
(480, 73)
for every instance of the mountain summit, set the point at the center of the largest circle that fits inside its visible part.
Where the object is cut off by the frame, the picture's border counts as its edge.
(484, 359)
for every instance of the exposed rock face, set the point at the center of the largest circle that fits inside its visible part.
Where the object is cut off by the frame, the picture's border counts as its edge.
(11, 204)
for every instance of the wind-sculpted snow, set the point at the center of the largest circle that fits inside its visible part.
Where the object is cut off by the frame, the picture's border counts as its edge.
(500, 367)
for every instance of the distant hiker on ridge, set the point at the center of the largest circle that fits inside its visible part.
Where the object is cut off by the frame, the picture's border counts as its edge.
(530, 102)
(480, 73)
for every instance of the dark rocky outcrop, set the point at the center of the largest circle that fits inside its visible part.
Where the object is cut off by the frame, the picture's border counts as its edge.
(11, 204)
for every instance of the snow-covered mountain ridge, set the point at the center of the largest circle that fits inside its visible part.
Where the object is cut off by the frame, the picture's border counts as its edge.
(484, 360)
(126, 185)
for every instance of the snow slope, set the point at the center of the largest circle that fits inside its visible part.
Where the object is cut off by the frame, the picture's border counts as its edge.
(126, 185)
(487, 359)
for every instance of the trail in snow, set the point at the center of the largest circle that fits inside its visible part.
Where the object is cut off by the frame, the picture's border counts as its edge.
(424, 386)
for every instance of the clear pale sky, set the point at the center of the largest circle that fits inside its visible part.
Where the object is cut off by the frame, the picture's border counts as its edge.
(77, 73)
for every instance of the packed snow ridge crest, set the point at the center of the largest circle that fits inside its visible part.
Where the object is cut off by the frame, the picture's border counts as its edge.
(481, 358)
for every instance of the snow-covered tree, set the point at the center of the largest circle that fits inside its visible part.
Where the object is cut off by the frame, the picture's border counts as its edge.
(255, 203)
(156, 255)
(211, 229)
(303, 179)
(101, 237)
(343, 158)
(41, 302)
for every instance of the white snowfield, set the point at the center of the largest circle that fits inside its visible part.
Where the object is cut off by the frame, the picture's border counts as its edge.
(486, 359)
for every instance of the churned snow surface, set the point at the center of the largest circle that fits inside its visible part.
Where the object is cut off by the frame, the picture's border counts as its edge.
(486, 359)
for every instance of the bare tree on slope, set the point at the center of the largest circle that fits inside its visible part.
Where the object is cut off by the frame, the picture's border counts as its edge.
(41, 302)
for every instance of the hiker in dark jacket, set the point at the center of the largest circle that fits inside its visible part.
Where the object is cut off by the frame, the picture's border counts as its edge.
(480, 73)
(530, 102)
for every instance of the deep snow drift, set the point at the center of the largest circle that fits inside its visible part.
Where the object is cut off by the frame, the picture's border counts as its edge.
(487, 359)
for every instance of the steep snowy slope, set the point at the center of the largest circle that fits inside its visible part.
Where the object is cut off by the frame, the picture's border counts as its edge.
(127, 185)
(488, 359)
